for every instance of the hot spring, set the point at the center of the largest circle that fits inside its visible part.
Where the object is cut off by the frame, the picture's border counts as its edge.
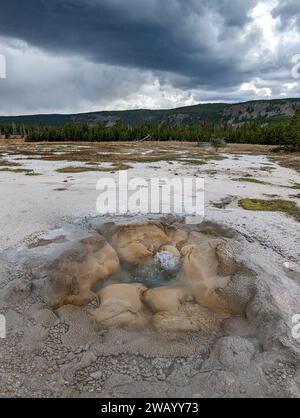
(161, 271)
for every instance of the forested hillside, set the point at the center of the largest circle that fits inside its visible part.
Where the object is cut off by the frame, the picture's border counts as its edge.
(284, 135)
(265, 111)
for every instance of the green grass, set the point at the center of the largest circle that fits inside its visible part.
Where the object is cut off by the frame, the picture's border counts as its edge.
(32, 173)
(276, 205)
(251, 180)
(296, 186)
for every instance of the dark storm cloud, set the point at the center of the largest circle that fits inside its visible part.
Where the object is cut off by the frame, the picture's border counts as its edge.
(191, 38)
(82, 55)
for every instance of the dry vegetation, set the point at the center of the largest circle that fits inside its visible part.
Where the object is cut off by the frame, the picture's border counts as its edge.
(119, 154)
(26, 171)
(122, 154)
(289, 160)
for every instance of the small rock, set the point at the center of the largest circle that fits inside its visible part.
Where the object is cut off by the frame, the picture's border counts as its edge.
(97, 375)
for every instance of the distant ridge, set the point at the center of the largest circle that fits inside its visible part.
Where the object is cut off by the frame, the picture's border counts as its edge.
(261, 111)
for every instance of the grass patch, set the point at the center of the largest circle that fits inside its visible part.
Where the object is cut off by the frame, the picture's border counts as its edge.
(251, 180)
(194, 162)
(296, 186)
(68, 170)
(269, 169)
(116, 166)
(121, 166)
(276, 205)
(32, 173)
(5, 163)
(146, 159)
(288, 160)
(19, 170)
(117, 153)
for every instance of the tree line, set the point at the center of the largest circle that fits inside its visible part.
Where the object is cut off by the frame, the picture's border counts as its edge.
(287, 136)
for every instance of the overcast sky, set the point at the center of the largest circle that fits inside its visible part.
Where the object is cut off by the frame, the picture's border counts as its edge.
(85, 55)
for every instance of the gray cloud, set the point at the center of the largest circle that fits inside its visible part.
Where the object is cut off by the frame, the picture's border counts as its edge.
(75, 55)
(288, 11)
(186, 37)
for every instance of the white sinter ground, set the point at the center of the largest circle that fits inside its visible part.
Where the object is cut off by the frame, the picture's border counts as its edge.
(34, 204)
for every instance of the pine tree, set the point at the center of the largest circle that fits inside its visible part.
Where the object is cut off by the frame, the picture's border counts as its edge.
(295, 123)
(293, 136)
